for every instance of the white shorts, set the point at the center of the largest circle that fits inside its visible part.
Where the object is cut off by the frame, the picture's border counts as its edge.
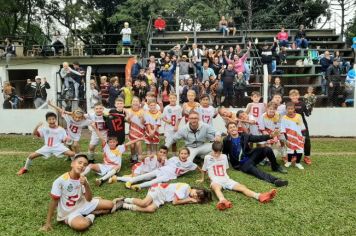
(94, 139)
(139, 169)
(169, 133)
(57, 151)
(226, 183)
(105, 169)
(85, 210)
(290, 151)
(157, 196)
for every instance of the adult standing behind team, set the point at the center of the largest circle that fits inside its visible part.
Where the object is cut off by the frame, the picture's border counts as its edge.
(197, 136)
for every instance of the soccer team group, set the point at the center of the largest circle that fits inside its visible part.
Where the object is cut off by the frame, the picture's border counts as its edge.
(282, 127)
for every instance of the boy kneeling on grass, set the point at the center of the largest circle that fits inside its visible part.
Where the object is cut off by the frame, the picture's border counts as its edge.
(158, 194)
(216, 165)
(72, 196)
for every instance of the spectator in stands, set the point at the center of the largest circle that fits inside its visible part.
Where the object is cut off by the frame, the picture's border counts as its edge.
(114, 91)
(152, 64)
(177, 50)
(184, 66)
(141, 76)
(67, 74)
(94, 96)
(350, 87)
(126, 38)
(168, 73)
(79, 77)
(140, 89)
(11, 100)
(190, 86)
(135, 69)
(151, 78)
(196, 55)
(221, 59)
(58, 42)
(210, 54)
(300, 38)
(344, 65)
(164, 92)
(240, 88)
(9, 51)
(334, 82)
(104, 90)
(207, 72)
(282, 38)
(160, 60)
(223, 25)
(228, 77)
(38, 90)
(267, 53)
(216, 66)
(276, 88)
(239, 63)
(282, 56)
(160, 25)
(231, 26)
(230, 54)
(325, 62)
(354, 47)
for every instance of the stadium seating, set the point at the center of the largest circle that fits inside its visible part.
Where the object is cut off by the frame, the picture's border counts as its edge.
(293, 77)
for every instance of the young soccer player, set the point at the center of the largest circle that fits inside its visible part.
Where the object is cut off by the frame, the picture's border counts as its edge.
(216, 165)
(208, 112)
(269, 122)
(98, 118)
(150, 96)
(255, 109)
(159, 194)
(172, 115)
(75, 122)
(292, 126)
(112, 153)
(72, 197)
(54, 137)
(301, 109)
(227, 115)
(128, 94)
(190, 105)
(175, 167)
(115, 121)
(243, 122)
(281, 108)
(152, 119)
(137, 128)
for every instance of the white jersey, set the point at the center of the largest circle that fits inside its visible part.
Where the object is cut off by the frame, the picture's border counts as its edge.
(281, 109)
(53, 137)
(256, 110)
(269, 124)
(70, 194)
(168, 192)
(216, 168)
(173, 114)
(99, 121)
(113, 156)
(207, 114)
(293, 127)
(149, 164)
(74, 128)
(175, 167)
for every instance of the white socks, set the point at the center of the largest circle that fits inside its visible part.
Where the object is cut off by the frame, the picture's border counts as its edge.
(256, 196)
(108, 175)
(124, 179)
(91, 217)
(128, 206)
(128, 200)
(87, 170)
(28, 163)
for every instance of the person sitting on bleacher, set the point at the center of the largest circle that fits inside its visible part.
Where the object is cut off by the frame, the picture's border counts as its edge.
(223, 26)
(9, 51)
(350, 87)
(282, 38)
(325, 61)
(177, 50)
(160, 25)
(334, 83)
(231, 26)
(300, 38)
(344, 65)
(267, 53)
(196, 55)
(239, 63)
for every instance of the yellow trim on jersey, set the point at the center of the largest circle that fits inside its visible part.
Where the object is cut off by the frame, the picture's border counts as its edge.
(180, 185)
(275, 118)
(297, 118)
(155, 116)
(66, 176)
(137, 113)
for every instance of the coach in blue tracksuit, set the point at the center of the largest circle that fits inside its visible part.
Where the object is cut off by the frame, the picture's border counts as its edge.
(244, 158)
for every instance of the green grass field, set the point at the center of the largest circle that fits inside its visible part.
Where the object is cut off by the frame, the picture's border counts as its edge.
(318, 201)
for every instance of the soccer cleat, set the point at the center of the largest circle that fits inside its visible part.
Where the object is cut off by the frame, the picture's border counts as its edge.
(299, 166)
(221, 206)
(22, 171)
(112, 179)
(227, 204)
(288, 164)
(267, 197)
(118, 203)
(307, 160)
(136, 187)
(98, 182)
(128, 185)
(281, 182)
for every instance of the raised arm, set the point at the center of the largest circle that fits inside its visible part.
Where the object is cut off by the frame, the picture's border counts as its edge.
(35, 131)
(88, 193)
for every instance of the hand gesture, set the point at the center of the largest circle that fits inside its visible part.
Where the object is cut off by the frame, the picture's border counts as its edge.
(83, 180)
(46, 228)
(29, 81)
(44, 80)
(40, 124)
(216, 47)
(331, 85)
